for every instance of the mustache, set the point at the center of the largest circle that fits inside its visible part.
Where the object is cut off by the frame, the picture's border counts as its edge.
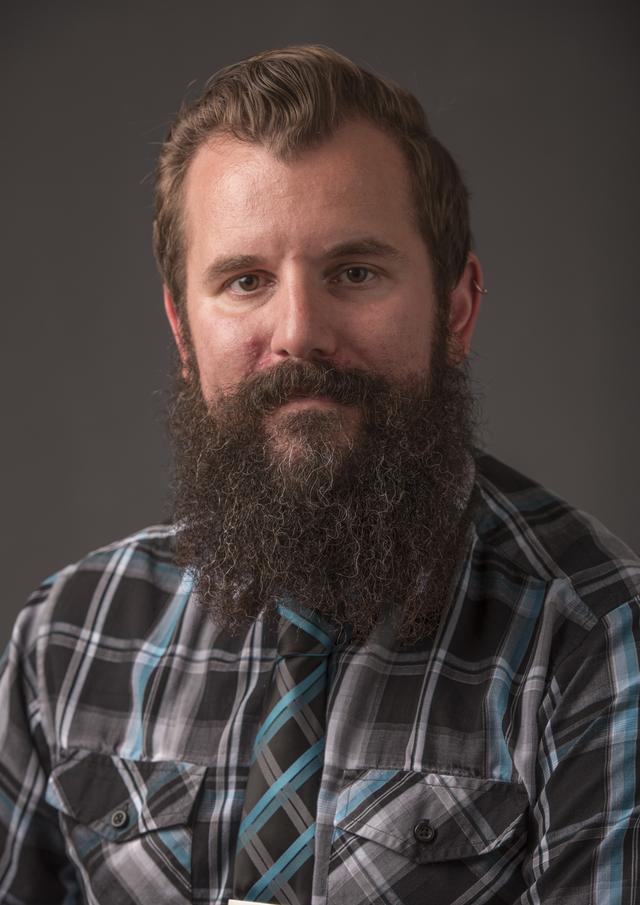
(265, 391)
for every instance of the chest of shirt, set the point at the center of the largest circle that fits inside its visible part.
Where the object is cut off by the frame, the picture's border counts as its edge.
(407, 799)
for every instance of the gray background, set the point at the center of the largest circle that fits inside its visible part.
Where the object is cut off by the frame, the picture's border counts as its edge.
(538, 102)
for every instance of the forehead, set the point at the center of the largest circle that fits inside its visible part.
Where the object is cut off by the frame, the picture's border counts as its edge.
(357, 178)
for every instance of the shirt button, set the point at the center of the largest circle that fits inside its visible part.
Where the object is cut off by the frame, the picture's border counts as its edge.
(119, 819)
(424, 832)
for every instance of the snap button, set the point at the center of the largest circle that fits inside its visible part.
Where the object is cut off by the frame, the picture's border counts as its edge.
(119, 819)
(424, 832)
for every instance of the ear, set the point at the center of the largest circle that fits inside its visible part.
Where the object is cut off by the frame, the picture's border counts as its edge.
(464, 308)
(177, 328)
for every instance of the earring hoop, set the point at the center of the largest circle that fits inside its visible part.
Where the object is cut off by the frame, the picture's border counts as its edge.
(480, 289)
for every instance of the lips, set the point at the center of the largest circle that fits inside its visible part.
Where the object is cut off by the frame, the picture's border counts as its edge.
(307, 402)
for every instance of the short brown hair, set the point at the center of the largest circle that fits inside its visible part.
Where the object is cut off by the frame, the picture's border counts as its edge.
(291, 100)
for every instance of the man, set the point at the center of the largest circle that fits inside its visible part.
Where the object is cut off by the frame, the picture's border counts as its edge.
(366, 663)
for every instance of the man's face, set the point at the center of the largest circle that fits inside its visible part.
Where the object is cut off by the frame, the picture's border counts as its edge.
(322, 433)
(317, 258)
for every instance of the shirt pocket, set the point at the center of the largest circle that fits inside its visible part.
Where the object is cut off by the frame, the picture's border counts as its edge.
(399, 834)
(127, 825)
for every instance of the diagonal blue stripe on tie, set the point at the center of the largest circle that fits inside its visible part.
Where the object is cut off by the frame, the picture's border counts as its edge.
(283, 707)
(298, 772)
(299, 704)
(307, 626)
(286, 865)
(274, 853)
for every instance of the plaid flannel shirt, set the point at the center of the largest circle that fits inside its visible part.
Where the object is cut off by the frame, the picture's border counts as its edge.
(497, 763)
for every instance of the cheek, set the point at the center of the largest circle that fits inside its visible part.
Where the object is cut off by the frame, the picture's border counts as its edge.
(224, 355)
(396, 345)
(415, 333)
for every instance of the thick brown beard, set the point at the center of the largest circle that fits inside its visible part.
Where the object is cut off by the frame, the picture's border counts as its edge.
(357, 528)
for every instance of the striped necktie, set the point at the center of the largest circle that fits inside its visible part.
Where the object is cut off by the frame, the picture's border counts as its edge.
(274, 859)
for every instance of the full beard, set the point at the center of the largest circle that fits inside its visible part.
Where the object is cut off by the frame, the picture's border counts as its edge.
(359, 513)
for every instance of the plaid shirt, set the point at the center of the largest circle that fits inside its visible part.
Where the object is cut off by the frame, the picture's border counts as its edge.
(496, 764)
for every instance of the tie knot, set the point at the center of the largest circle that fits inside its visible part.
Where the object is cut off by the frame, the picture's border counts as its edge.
(303, 633)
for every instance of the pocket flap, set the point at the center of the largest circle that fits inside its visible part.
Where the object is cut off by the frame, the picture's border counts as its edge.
(121, 798)
(431, 816)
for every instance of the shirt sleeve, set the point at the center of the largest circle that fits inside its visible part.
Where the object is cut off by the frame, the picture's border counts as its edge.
(34, 869)
(586, 817)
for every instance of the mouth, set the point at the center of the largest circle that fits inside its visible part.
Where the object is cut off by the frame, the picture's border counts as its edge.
(306, 401)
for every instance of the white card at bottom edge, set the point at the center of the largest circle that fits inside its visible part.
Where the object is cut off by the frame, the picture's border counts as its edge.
(245, 902)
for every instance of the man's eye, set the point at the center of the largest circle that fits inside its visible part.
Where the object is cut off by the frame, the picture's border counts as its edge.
(248, 282)
(356, 275)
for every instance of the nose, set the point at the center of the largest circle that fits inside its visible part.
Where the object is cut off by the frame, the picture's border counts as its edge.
(302, 322)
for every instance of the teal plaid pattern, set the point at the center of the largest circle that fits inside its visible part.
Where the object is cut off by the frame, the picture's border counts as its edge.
(274, 860)
(120, 692)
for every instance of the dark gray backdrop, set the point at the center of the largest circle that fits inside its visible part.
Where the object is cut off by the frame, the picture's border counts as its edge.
(537, 100)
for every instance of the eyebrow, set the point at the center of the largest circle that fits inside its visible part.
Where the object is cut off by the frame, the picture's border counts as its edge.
(222, 266)
(367, 246)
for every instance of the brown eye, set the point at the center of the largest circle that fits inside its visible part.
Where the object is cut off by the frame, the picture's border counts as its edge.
(357, 274)
(247, 283)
